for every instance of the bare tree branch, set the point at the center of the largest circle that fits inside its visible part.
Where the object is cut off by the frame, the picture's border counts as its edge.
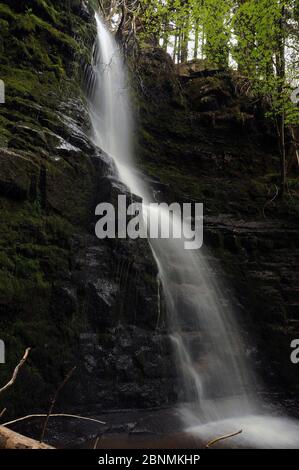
(226, 436)
(55, 415)
(53, 401)
(16, 371)
(96, 442)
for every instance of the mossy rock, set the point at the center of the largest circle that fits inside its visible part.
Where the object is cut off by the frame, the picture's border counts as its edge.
(18, 175)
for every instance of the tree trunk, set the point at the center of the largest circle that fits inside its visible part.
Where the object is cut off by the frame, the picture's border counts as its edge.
(185, 40)
(203, 43)
(12, 440)
(283, 179)
(175, 47)
(294, 142)
(165, 35)
(281, 70)
(196, 39)
(180, 46)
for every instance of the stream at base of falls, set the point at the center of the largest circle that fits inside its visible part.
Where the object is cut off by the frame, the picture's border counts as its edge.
(164, 429)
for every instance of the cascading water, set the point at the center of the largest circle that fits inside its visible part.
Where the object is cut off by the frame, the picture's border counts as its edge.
(110, 110)
(214, 373)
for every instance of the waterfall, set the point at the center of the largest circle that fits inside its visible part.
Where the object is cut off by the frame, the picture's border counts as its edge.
(217, 389)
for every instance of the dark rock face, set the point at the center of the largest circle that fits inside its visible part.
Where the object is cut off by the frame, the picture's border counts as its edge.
(18, 175)
(74, 299)
(117, 290)
(203, 139)
(259, 267)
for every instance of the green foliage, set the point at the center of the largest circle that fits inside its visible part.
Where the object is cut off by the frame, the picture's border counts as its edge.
(263, 33)
(181, 22)
(258, 37)
(216, 25)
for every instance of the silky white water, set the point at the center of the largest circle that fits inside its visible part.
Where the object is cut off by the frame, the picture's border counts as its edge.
(215, 379)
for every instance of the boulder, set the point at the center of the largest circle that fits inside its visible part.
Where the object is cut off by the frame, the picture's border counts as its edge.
(18, 175)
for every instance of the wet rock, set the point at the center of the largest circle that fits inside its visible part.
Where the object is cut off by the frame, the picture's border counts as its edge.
(18, 174)
(65, 300)
(220, 150)
(101, 296)
(155, 365)
(83, 9)
(75, 299)
(90, 363)
(125, 369)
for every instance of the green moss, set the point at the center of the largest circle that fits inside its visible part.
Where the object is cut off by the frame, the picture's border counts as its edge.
(40, 58)
(6, 12)
(47, 10)
(6, 263)
(19, 81)
(59, 230)
(27, 268)
(15, 290)
(4, 26)
(34, 247)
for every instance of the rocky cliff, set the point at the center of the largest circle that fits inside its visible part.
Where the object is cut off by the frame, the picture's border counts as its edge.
(73, 299)
(202, 137)
(80, 301)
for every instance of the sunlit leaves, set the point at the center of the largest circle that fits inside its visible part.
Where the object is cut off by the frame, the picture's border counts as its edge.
(259, 37)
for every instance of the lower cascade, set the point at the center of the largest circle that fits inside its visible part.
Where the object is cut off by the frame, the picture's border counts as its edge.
(218, 393)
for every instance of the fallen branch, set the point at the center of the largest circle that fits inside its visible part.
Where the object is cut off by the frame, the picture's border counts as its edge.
(53, 401)
(2, 412)
(96, 442)
(12, 440)
(226, 436)
(16, 371)
(56, 415)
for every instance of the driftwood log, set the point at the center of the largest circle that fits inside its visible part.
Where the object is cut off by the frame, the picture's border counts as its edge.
(12, 440)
